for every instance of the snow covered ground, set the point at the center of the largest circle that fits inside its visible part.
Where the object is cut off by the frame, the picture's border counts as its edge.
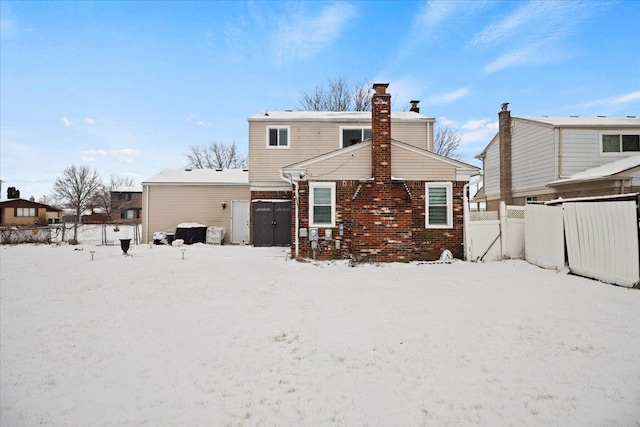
(241, 336)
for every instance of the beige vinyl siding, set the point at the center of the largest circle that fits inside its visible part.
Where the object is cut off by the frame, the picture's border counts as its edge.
(353, 165)
(532, 155)
(408, 165)
(415, 134)
(581, 149)
(311, 139)
(170, 205)
(491, 180)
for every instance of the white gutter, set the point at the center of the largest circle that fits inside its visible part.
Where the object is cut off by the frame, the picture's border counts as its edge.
(297, 204)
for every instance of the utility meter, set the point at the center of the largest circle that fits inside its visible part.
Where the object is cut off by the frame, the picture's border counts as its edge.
(313, 234)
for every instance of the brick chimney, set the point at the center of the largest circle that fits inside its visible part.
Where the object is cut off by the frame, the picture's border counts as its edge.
(414, 106)
(381, 133)
(504, 135)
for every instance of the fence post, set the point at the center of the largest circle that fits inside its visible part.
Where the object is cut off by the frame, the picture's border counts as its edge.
(503, 230)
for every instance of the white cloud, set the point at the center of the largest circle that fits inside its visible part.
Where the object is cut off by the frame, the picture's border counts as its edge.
(89, 121)
(66, 121)
(614, 100)
(301, 36)
(194, 118)
(448, 97)
(629, 97)
(125, 155)
(536, 33)
(92, 155)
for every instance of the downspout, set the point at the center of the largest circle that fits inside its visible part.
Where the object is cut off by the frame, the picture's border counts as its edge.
(146, 214)
(297, 204)
(559, 154)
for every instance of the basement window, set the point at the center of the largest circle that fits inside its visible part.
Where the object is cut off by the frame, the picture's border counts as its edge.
(278, 137)
(352, 136)
(620, 143)
(322, 204)
(438, 205)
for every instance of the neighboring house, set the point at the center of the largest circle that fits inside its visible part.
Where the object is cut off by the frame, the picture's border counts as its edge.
(126, 203)
(28, 212)
(362, 185)
(543, 158)
(209, 197)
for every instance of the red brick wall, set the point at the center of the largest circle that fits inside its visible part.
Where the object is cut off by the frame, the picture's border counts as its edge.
(382, 223)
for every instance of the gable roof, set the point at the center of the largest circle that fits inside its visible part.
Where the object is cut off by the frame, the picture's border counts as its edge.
(336, 116)
(200, 177)
(620, 168)
(22, 203)
(366, 145)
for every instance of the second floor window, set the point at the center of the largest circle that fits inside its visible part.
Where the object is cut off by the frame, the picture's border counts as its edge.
(351, 136)
(620, 143)
(278, 137)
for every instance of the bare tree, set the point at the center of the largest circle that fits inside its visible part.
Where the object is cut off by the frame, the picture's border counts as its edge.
(104, 199)
(76, 188)
(446, 142)
(337, 96)
(216, 156)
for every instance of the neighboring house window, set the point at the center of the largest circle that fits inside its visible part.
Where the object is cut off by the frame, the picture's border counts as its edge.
(25, 211)
(278, 137)
(620, 143)
(124, 196)
(351, 136)
(131, 214)
(438, 209)
(530, 199)
(322, 204)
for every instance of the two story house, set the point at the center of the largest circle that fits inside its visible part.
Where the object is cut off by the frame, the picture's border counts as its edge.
(365, 185)
(126, 203)
(543, 158)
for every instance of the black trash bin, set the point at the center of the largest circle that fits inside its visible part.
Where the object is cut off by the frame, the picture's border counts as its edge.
(170, 237)
(124, 245)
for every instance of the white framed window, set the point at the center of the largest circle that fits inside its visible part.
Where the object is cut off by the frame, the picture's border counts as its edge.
(620, 142)
(278, 137)
(352, 135)
(438, 205)
(25, 211)
(322, 204)
(131, 214)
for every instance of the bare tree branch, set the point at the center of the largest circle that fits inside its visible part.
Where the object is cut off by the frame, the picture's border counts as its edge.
(104, 199)
(77, 188)
(216, 156)
(446, 142)
(338, 96)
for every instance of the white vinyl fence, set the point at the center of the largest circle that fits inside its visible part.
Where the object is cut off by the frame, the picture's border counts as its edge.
(495, 235)
(601, 239)
(544, 236)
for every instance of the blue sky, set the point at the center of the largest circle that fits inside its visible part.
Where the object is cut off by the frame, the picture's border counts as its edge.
(127, 87)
